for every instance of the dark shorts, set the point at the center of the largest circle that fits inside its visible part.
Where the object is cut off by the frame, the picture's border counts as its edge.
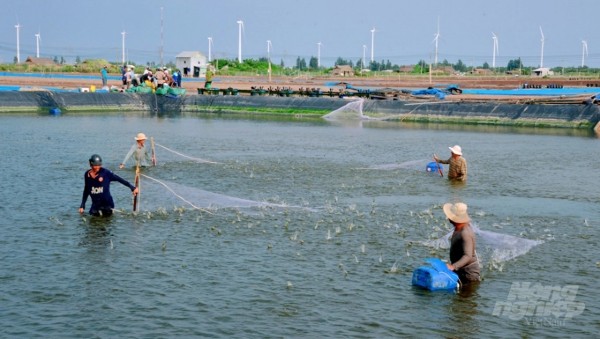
(101, 212)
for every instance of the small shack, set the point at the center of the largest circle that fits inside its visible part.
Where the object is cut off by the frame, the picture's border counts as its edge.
(342, 70)
(191, 64)
(542, 72)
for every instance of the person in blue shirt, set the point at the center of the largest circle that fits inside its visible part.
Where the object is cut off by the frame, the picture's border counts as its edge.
(104, 74)
(97, 186)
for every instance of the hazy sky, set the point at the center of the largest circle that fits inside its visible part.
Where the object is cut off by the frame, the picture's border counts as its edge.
(404, 34)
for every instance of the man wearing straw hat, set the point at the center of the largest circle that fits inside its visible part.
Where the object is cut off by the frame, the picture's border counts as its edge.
(458, 165)
(463, 257)
(139, 152)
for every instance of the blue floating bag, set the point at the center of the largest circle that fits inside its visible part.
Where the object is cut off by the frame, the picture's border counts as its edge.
(433, 167)
(435, 276)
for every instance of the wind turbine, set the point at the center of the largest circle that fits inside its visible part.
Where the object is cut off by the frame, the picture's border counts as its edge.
(240, 28)
(269, 46)
(495, 38)
(18, 27)
(319, 54)
(436, 38)
(38, 37)
(364, 56)
(123, 47)
(210, 45)
(373, 44)
(584, 52)
(162, 40)
(542, 54)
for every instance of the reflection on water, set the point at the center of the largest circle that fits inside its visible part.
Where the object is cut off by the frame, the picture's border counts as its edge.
(309, 228)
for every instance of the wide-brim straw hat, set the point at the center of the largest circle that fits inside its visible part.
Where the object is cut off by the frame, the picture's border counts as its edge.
(456, 149)
(457, 212)
(140, 136)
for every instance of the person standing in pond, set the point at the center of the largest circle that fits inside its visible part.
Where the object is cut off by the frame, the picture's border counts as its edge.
(139, 152)
(463, 254)
(97, 185)
(457, 164)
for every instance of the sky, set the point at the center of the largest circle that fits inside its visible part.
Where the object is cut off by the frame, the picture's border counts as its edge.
(404, 30)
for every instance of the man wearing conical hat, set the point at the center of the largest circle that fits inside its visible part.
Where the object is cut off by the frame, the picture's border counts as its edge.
(140, 154)
(463, 257)
(458, 165)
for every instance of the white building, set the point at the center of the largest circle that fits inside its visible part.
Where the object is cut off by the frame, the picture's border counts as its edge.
(542, 72)
(191, 64)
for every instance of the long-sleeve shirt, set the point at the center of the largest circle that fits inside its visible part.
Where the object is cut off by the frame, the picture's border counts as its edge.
(140, 156)
(457, 169)
(98, 189)
(462, 252)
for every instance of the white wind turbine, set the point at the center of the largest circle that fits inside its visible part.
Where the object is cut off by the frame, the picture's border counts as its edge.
(269, 47)
(240, 29)
(18, 27)
(319, 54)
(495, 51)
(38, 38)
(373, 44)
(363, 58)
(542, 53)
(436, 39)
(584, 52)
(123, 47)
(210, 45)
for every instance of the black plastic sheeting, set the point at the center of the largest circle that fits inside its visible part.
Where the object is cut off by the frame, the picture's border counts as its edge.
(78, 101)
(566, 112)
(306, 103)
(41, 101)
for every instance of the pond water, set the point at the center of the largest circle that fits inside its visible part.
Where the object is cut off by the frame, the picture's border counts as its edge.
(295, 228)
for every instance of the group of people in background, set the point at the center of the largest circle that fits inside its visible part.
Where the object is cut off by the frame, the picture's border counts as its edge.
(157, 79)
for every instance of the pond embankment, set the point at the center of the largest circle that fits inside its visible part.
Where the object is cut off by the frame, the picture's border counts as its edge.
(488, 112)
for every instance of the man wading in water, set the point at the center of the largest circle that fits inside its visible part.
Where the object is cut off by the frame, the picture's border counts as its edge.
(458, 165)
(97, 185)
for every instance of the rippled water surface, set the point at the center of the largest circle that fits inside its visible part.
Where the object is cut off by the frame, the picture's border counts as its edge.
(302, 229)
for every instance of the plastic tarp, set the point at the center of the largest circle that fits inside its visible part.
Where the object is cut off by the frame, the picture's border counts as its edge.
(438, 93)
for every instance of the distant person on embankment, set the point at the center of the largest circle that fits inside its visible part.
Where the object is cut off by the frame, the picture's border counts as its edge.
(208, 78)
(139, 152)
(458, 165)
(104, 75)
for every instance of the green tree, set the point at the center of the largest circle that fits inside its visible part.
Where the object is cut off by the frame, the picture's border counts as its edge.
(460, 66)
(514, 64)
(301, 64)
(313, 63)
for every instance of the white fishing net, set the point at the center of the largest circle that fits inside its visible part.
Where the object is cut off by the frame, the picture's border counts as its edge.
(493, 249)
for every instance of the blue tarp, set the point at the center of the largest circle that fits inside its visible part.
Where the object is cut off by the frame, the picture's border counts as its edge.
(430, 91)
(534, 91)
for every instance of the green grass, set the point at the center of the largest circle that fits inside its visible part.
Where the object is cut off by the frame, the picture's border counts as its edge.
(259, 110)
